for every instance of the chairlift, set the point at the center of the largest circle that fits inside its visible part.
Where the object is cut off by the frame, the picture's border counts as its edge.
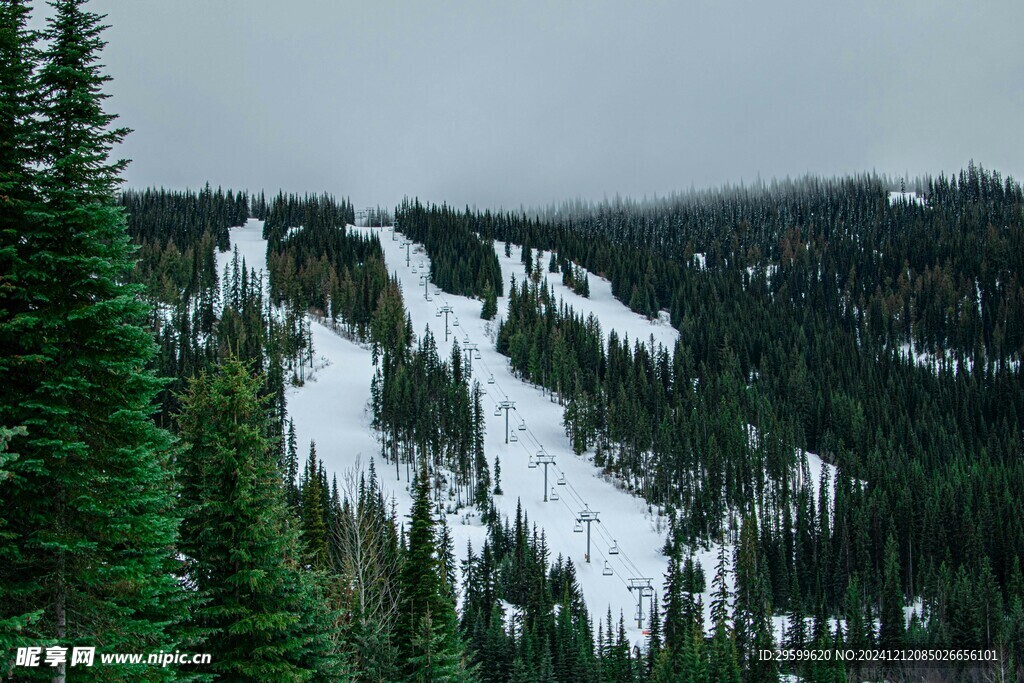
(513, 438)
(497, 412)
(438, 314)
(490, 379)
(532, 464)
(456, 323)
(522, 426)
(554, 494)
(561, 479)
(478, 356)
(578, 529)
(607, 571)
(614, 549)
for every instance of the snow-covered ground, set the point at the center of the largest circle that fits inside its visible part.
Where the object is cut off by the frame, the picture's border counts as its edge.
(332, 408)
(908, 197)
(624, 518)
(605, 307)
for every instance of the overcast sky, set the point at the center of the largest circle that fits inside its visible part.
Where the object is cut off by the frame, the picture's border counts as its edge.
(503, 103)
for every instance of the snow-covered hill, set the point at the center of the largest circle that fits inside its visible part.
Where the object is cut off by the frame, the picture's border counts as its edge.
(332, 409)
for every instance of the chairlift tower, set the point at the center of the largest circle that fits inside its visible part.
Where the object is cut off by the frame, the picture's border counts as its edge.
(588, 517)
(506, 405)
(469, 352)
(546, 459)
(641, 588)
(425, 279)
(445, 311)
(408, 255)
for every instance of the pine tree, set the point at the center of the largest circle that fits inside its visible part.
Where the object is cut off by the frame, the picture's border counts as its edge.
(427, 630)
(89, 550)
(265, 616)
(892, 621)
(490, 305)
(312, 512)
(497, 476)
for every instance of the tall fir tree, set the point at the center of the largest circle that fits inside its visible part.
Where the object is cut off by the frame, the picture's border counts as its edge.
(265, 615)
(89, 551)
(428, 635)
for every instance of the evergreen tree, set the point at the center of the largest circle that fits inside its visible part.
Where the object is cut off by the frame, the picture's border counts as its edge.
(265, 616)
(490, 305)
(429, 643)
(88, 553)
(892, 621)
(312, 512)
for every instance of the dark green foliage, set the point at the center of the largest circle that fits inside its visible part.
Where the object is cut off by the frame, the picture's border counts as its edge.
(490, 306)
(87, 553)
(550, 636)
(265, 616)
(428, 412)
(428, 639)
(461, 250)
(317, 264)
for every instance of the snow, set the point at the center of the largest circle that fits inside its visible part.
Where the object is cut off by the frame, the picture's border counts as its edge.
(601, 303)
(623, 517)
(251, 246)
(332, 408)
(907, 197)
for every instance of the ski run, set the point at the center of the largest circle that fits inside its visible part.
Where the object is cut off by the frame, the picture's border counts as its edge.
(332, 409)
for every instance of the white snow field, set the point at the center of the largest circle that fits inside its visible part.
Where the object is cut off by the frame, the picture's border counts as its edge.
(605, 307)
(332, 408)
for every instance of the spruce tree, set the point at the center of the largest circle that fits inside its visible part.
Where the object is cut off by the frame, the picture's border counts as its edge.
(265, 616)
(88, 550)
(490, 306)
(892, 620)
(427, 630)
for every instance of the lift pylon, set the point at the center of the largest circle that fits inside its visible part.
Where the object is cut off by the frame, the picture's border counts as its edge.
(545, 459)
(505, 405)
(641, 588)
(588, 517)
(445, 310)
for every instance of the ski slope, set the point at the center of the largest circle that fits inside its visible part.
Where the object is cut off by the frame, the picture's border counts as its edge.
(333, 410)
(601, 303)
(623, 518)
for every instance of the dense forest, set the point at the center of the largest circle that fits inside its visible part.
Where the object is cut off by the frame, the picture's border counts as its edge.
(153, 497)
(879, 331)
(462, 261)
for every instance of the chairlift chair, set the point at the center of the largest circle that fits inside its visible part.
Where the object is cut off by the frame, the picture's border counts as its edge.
(614, 549)
(490, 379)
(513, 438)
(554, 494)
(522, 426)
(456, 323)
(532, 464)
(497, 412)
(561, 479)
(607, 571)
(578, 529)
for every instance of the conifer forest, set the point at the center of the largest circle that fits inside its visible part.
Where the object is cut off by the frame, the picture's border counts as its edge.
(748, 433)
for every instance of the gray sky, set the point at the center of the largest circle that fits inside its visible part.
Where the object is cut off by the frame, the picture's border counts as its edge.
(527, 102)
